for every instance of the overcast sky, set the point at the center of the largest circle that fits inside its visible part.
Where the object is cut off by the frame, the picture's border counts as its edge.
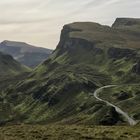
(39, 22)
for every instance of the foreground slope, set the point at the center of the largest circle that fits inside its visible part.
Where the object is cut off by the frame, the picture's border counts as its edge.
(66, 132)
(88, 56)
(24, 53)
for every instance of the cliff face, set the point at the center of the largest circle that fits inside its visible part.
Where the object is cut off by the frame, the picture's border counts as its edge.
(88, 56)
(86, 41)
(126, 22)
(98, 37)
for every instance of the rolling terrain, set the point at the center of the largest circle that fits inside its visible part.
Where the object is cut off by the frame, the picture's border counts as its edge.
(88, 56)
(24, 53)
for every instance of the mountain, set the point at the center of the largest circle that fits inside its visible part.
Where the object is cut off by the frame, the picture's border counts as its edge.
(88, 56)
(26, 54)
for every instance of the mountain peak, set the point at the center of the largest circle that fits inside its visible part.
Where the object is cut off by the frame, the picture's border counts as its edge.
(14, 43)
(83, 25)
(126, 22)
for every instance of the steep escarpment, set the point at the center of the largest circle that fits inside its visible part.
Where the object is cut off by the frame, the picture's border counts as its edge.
(88, 56)
(129, 26)
(107, 49)
(126, 22)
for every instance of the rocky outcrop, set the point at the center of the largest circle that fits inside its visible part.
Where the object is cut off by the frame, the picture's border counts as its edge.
(119, 53)
(136, 68)
(75, 43)
(125, 22)
(92, 35)
(123, 96)
(111, 117)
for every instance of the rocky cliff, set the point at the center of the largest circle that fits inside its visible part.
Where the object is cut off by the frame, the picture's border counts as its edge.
(126, 22)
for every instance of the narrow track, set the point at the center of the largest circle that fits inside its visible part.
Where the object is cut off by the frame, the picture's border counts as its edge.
(130, 120)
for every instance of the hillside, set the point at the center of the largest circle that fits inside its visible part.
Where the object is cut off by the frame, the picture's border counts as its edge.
(11, 71)
(10, 67)
(60, 90)
(24, 53)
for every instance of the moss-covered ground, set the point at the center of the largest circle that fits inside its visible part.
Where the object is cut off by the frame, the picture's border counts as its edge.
(68, 132)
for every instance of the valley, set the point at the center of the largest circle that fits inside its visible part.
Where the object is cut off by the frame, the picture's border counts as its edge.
(88, 88)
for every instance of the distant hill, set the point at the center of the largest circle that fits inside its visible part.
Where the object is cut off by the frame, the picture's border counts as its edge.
(24, 53)
(10, 67)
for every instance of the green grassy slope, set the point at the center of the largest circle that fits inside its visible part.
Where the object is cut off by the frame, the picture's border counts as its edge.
(126, 97)
(87, 57)
(10, 67)
(11, 72)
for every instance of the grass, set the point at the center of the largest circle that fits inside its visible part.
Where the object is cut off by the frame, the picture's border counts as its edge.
(68, 132)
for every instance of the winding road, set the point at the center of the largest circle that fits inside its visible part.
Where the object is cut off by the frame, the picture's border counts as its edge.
(130, 120)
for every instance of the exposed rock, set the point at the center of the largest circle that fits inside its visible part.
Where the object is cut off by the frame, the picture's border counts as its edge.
(136, 68)
(137, 116)
(123, 96)
(119, 53)
(111, 117)
(121, 22)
